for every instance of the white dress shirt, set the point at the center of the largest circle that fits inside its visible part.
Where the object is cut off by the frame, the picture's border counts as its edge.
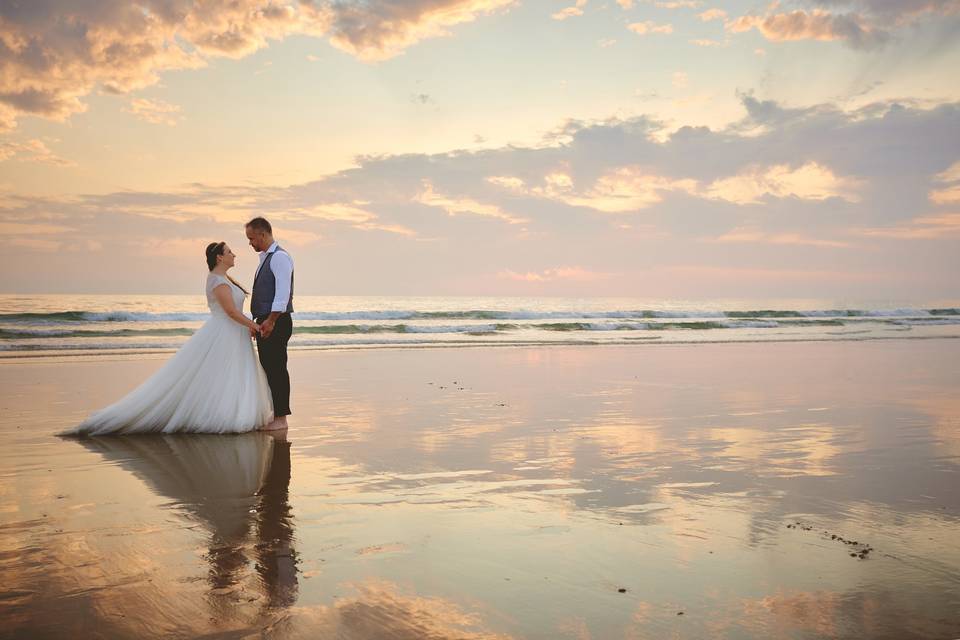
(282, 267)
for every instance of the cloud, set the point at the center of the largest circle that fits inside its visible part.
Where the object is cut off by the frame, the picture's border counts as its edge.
(458, 206)
(31, 151)
(299, 238)
(381, 29)
(170, 247)
(570, 12)
(631, 188)
(507, 182)
(643, 28)
(680, 79)
(621, 196)
(747, 235)
(706, 42)
(559, 273)
(53, 54)
(20, 228)
(949, 194)
(625, 4)
(950, 174)
(814, 25)
(863, 24)
(712, 14)
(678, 4)
(155, 111)
(41, 237)
(388, 228)
(810, 181)
(37, 244)
(931, 227)
(621, 190)
(896, 12)
(714, 276)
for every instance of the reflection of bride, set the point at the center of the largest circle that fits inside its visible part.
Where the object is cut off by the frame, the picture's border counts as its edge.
(228, 485)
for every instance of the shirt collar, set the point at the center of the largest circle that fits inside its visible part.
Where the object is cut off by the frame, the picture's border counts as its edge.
(271, 248)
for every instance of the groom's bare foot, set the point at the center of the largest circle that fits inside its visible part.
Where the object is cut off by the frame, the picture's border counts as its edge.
(277, 424)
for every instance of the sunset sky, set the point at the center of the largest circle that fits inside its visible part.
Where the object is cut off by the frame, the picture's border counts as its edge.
(669, 149)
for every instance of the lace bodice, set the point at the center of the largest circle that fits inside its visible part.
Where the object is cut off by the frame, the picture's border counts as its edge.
(214, 281)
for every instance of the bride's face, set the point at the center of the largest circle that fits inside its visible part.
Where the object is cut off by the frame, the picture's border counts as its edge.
(227, 258)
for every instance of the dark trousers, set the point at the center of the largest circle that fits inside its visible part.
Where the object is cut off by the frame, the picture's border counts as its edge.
(273, 358)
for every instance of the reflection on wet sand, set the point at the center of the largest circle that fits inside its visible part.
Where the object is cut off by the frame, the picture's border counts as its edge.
(566, 493)
(276, 556)
(378, 610)
(211, 482)
(236, 488)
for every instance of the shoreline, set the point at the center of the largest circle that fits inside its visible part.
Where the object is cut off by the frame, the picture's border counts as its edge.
(120, 353)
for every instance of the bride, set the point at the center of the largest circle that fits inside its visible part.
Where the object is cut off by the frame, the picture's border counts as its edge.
(213, 384)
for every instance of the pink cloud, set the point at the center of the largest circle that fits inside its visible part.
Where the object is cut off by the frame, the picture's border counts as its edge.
(930, 227)
(53, 54)
(815, 25)
(577, 274)
(748, 235)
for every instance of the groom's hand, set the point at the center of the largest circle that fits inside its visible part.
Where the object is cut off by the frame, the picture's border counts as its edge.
(266, 328)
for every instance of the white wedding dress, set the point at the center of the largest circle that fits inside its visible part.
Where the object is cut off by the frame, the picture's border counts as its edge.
(213, 384)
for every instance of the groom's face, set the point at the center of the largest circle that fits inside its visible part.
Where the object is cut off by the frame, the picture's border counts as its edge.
(257, 239)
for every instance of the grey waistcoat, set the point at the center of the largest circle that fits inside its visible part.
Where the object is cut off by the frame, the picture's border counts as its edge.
(265, 288)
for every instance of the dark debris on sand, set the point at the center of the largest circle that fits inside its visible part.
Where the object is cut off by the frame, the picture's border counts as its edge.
(860, 550)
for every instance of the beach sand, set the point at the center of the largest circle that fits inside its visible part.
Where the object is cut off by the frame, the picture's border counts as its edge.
(789, 490)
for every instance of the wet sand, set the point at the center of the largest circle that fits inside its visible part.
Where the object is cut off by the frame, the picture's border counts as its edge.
(690, 491)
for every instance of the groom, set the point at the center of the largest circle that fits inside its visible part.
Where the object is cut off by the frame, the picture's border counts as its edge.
(271, 304)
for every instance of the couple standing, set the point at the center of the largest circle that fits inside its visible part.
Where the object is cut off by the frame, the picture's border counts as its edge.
(214, 383)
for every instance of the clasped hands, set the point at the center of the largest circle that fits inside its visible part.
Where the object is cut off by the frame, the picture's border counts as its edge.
(265, 328)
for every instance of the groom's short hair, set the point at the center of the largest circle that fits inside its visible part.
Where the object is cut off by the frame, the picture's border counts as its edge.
(260, 224)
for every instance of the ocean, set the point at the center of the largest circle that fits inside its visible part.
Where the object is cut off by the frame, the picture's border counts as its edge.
(57, 325)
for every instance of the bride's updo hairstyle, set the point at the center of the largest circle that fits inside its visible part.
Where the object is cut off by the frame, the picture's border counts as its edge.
(215, 249)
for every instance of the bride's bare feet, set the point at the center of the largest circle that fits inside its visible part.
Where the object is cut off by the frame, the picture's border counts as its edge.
(276, 424)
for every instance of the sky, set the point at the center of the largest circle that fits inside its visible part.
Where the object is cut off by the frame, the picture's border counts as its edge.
(655, 149)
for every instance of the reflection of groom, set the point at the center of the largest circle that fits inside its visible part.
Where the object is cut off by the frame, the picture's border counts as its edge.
(271, 304)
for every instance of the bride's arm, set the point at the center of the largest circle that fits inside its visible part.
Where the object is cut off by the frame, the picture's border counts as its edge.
(222, 293)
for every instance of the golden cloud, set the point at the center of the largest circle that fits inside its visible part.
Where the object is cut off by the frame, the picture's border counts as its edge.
(53, 54)
(815, 25)
(457, 206)
(570, 12)
(643, 28)
(154, 111)
(633, 187)
(31, 151)
(929, 227)
(381, 29)
(810, 181)
(755, 236)
(712, 14)
(950, 174)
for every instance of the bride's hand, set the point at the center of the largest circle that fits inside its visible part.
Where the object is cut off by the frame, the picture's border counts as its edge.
(254, 331)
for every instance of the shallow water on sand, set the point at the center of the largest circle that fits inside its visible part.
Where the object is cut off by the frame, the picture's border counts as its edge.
(567, 492)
